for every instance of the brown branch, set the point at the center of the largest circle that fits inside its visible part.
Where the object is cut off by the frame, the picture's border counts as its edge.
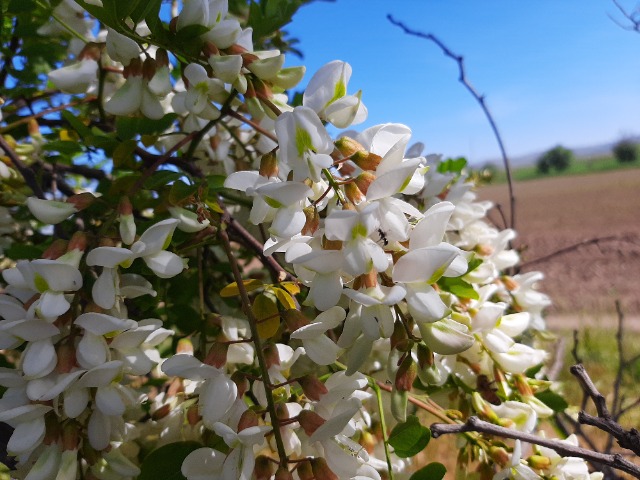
(245, 238)
(629, 439)
(25, 171)
(630, 238)
(633, 17)
(564, 449)
(252, 124)
(42, 113)
(479, 98)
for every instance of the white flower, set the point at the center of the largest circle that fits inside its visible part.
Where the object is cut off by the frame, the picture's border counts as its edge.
(305, 144)
(201, 91)
(151, 248)
(76, 78)
(327, 95)
(318, 346)
(361, 253)
(50, 211)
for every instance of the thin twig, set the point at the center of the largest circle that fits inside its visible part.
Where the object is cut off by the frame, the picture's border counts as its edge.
(262, 362)
(629, 439)
(26, 172)
(479, 98)
(564, 449)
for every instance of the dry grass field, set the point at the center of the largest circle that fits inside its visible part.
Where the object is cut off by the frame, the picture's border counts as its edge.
(559, 212)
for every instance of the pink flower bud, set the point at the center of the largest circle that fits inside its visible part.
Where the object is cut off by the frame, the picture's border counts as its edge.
(312, 387)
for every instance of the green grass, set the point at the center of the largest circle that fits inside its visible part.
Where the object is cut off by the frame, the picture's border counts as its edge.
(577, 167)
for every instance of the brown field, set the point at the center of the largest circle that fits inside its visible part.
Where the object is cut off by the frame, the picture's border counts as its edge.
(558, 212)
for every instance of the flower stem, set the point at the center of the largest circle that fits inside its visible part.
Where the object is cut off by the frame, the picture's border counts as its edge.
(253, 325)
(383, 424)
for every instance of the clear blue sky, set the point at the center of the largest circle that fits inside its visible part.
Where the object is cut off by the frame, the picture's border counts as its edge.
(553, 71)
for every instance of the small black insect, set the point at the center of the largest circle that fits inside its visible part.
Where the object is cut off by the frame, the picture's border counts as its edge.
(383, 237)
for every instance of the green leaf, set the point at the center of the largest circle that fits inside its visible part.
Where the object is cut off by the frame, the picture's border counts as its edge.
(19, 251)
(21, 6)
(123, 154)
(473, 264)
(76, 124)
(62, 146)
(165, 462)
(453, 165)
(144, 9)
(409, 438)
(270, 15)
(433, 471)
(459, 287)
(161, 178)
(552, 400)
(129, 127)
(180, 191)
(215, 182)
(190, 32)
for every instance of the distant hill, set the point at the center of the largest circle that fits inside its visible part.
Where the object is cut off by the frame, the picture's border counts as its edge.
(602, 149)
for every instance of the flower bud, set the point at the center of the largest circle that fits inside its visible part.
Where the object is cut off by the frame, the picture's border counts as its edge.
(348, 146)
(52, 429)
(33, 128)
(185, 346)
(79, 242)
(399, 336)
(509, 283)
(271, 355)
(522, 385)
(304, 471)
(406, 374)
(162, 58)
(149, 68)
(364, 180)
(193, 416)
(312, 220)
(399, 403)
(539, 462)
(282, 412)
(161, 412)
(66, 353)
(288, 78)
(269, 165)
(241, 382)
(90, 51)
(263, 468)
(310, 421)
(499, 455)
(217, 355)
(50, 211)
(127, 222)
(321, 470)
(483, 408)
(366, 160)
(312, 387)
(247, 420)
(425, 356)
(331, 244)
(57, 248)
(294, 319)
(70, 436)
(353, 193)
(284, 474)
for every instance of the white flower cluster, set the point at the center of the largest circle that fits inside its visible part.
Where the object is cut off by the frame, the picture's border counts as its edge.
(390, 251)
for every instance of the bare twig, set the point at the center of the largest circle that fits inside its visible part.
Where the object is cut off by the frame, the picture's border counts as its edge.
(629, 238)
(564, 449)
(632, 17)
(479, 98)
(26, 172)
(629, 439)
